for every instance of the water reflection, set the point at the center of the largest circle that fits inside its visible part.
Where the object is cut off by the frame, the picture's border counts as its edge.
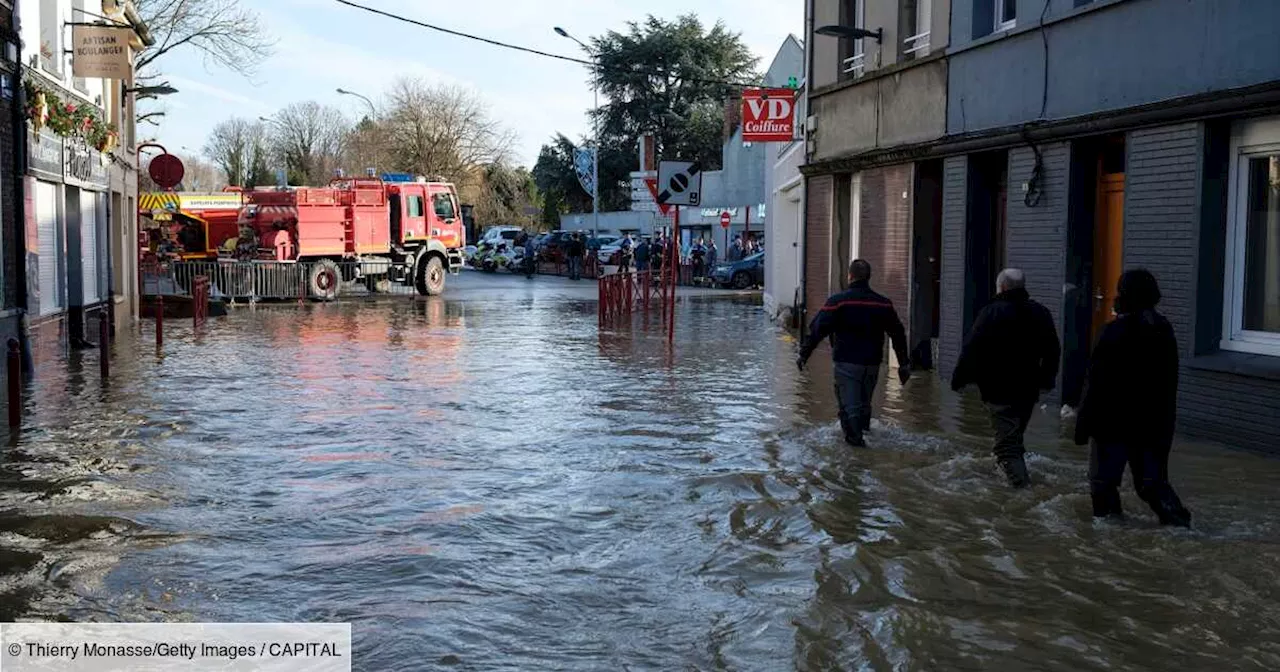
(487, 481)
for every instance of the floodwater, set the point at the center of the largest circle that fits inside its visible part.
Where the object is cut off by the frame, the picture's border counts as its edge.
(484, 482)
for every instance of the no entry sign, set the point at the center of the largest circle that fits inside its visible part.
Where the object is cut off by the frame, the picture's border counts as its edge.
(724, 220)
(768, 115)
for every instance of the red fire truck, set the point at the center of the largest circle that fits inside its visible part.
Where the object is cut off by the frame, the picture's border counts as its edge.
(379, 230)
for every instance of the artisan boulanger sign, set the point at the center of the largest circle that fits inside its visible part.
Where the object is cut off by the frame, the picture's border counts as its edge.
(100, 51)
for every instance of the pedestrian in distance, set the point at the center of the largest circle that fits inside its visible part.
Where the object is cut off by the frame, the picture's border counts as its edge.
(857, 321)
(735, 250)
(1130, 404)
(698, 256)
(625, 249)
(530, 256)
(712, 253)
(1012, 354)
(642, 255)
(573, 253)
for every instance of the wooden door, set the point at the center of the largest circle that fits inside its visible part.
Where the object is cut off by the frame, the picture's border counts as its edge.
(1108, 249)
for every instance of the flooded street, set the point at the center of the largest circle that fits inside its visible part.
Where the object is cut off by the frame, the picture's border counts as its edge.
(484, 482)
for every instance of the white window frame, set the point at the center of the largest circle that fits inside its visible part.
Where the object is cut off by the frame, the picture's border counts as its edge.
(856, 64)
(918, 44)
(1003, 23)
(1249, 139)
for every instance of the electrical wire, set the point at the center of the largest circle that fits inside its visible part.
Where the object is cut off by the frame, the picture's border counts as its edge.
(536, 52)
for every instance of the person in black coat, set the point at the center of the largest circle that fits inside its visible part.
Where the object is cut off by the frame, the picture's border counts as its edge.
(857, 321)
(1012, 355)
(1130, 404)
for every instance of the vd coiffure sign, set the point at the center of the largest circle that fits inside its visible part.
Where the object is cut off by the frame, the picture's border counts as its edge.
(100, 51)
(768, 115)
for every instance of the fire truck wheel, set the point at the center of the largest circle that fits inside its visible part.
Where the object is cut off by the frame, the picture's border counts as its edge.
(324, 279)
(429, 278)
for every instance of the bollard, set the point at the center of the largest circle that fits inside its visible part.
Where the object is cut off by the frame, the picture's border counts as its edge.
(302, 289)
(104, 345)
(159, 320)
(14, 368)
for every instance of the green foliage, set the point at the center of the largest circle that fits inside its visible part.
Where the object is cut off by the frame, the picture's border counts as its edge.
(668, 78)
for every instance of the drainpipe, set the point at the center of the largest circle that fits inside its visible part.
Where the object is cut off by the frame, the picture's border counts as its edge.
(800, 308)
(20, 188)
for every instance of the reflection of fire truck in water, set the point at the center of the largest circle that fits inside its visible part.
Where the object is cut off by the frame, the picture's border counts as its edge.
(379, 230)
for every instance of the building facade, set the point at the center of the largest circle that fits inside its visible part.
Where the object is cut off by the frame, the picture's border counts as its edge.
(78, 234)
(871, 191)
(1082, 138)
(783, 189)
(1157, 146)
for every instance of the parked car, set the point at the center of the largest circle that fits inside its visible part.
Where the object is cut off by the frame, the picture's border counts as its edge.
(552, 248)
(608, 254)
(594, 244)
(500, 234)
(741, 274)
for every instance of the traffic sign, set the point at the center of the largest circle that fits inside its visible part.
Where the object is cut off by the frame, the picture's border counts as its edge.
(166, 171)
(724, 220)
(679, 183)
(652, 184)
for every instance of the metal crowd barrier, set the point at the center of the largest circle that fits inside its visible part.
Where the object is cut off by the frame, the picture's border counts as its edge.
(254, 281)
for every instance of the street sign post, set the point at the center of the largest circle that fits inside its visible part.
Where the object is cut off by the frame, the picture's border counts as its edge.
(679, 183)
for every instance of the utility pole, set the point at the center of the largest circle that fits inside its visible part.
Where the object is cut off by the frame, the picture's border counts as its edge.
(595, 155)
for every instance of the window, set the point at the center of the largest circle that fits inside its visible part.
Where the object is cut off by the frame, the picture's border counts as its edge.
(51, 55)
(443, 204)
(415, 206)
(1252, 315)
(917, 17)
(852, 52)
(1006, 14)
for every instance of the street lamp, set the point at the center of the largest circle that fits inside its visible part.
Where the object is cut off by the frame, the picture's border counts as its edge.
(373, 109)
(595, 159)
(851, 33)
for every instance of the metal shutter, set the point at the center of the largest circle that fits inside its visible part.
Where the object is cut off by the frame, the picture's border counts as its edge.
(104, 249)
(50, 247)
(89, 245)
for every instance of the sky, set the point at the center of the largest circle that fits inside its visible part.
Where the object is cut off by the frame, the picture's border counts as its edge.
(322, 45)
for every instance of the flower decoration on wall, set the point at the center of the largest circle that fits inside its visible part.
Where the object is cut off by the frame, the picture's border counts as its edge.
(68, 118)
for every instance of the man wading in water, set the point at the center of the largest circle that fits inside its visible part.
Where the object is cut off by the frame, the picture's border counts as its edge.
(1130, 403)
(1012, 354)
(857, 321)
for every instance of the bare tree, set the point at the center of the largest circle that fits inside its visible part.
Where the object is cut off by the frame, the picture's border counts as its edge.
(223, 31)
(307, 138)
(201, 176)
(238, 147)
(442, 130)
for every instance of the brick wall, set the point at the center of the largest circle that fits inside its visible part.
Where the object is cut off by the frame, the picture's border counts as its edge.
(817, 242)
(954, 203)
(1036, 238)
(885, 232)
(1163, 193)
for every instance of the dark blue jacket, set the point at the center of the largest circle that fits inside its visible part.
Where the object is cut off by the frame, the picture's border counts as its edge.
(1011, 352)
(857, 320)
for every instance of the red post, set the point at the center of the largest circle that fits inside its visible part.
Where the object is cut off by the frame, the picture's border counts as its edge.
(104, 344)
(675, 257)
(159, 320)
(14, 370)
(302, 286)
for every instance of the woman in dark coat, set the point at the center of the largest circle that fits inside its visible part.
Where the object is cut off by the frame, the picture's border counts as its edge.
(1130, 402)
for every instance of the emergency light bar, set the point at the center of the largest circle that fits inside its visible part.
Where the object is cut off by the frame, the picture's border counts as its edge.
(397, 177)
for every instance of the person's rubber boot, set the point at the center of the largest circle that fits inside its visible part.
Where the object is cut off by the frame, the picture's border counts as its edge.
(1015, 470)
